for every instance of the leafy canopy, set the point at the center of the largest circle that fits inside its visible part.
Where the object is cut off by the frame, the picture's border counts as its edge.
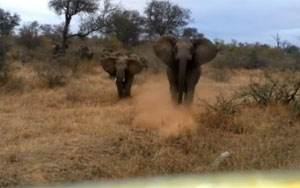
(8, 22)
(73, 7)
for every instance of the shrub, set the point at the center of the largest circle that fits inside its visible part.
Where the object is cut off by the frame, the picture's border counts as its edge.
(68, 61)
(262, 92)
(3, 65)
(231, 57)
(29, 35)
(229, 106)
(255, 56)
(4, 73)
(3, 49)
(52, 74)
(254, 62)
(269, 90)
(14, 85)
(221, 115)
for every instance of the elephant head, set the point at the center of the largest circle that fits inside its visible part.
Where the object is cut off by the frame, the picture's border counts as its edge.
(183, 54)
(123, 69)
(142, 60)
(83, 52)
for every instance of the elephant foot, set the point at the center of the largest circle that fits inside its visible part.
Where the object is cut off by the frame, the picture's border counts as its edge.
(187, 104)
(127, 96)
(124, 96)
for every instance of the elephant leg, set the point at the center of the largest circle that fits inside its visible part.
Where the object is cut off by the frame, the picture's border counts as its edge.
(128, 84)
(193, 77)
(172, 78)
(120, 88)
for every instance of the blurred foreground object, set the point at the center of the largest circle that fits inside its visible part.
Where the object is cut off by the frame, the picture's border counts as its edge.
(277, 179)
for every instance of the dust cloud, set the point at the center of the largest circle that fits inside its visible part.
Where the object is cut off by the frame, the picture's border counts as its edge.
(156, 111)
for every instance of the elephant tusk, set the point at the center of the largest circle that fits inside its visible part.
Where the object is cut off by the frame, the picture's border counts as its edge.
(122, 80)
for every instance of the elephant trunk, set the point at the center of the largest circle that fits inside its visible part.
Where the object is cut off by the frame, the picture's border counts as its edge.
(120, 80)
(181, 79)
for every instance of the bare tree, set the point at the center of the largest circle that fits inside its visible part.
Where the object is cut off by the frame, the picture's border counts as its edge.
(277, 38)
(164, 17)
(99, 22)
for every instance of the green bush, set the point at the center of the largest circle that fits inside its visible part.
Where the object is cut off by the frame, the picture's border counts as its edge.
(249, 56)
(4, 71)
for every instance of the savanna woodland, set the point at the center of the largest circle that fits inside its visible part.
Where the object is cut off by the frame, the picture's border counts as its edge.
(95, 103)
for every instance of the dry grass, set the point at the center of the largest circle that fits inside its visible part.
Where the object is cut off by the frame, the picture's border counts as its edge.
(83, 132)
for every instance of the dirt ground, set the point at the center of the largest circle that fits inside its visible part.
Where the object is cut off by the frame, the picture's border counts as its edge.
(82, 132)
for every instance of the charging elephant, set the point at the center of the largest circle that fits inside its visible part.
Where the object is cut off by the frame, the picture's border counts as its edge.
(124, 70)
(184, 58)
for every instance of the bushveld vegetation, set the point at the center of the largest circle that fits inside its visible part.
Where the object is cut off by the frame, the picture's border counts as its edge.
(61, 120)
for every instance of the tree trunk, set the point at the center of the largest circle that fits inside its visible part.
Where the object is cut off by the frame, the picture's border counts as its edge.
(65, 37)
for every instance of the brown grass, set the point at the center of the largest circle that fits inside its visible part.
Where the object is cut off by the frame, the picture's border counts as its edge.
(82, 132)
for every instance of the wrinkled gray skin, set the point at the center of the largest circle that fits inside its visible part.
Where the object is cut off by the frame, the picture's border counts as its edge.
(142, 60)
(124, 70)
(184, 58)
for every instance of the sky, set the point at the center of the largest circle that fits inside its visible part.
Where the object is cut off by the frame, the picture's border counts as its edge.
(242, 20)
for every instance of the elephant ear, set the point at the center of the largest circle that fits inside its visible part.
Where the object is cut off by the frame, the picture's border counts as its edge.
(163, 48)
(134, 66)
(108, 65)
(205, 51)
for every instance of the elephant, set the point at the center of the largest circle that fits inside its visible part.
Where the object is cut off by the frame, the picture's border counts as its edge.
(104, 50)
(104, 53)
(184, 58)
(143, 60)
(84, 52)
(124, 70)
(57, 50)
